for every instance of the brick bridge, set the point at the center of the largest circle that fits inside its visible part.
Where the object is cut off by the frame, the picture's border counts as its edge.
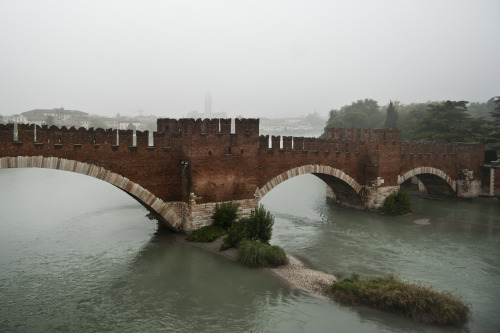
(183, 169)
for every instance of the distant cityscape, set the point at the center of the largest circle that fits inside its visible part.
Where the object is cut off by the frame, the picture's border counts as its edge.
(309, 125)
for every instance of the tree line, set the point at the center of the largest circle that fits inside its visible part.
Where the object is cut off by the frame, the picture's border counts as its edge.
(442, 121)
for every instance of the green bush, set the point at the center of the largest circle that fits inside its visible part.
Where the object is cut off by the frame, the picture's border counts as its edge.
(421, 303)
(206, 234)
(225, 214)
(254, 253)
(260, 225)
(398, 203)
(235, 234)
(257, 226)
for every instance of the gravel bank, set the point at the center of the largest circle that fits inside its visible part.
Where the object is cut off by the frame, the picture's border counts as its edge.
(295, 273)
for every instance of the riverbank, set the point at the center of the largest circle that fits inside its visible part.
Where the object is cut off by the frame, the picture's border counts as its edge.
(295, 273)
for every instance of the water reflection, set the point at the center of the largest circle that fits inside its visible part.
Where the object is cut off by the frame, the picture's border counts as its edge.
(97, 263)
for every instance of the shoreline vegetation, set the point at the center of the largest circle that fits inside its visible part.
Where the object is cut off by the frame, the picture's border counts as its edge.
(247, 241)
(417, 301)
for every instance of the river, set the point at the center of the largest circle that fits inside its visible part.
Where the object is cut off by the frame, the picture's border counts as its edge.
(79, 255)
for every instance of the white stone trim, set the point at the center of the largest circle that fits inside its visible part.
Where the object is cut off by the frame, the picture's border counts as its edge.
(167, 210)
(305, 169)
(429, 170)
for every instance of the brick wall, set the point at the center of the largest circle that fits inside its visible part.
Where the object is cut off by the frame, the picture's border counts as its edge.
(223, 165)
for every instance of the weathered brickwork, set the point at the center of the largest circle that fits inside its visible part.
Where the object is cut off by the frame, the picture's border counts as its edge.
(192, 164)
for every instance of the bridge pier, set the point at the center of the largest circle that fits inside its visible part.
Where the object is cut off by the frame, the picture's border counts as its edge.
(371, 197)
(374, 197)
(468, 188)
(196, 216)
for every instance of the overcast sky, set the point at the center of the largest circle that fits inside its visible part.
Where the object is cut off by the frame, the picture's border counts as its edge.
(256, 58)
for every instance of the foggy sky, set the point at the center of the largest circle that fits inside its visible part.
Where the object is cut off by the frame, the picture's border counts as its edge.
(256, 58)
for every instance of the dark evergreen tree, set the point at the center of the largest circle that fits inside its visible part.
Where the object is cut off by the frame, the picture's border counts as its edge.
(495, 125)
(447, 121)
(391, 118)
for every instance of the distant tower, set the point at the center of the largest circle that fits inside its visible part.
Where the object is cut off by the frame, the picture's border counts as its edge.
(208, 105)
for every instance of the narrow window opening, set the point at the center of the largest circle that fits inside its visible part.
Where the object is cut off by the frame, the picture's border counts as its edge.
(150, 139)
(233, 125)
(16, 133)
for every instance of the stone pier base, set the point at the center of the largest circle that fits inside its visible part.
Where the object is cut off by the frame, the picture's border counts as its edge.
(197, 216)
(468, 188)
(374, 197)
(369, 197)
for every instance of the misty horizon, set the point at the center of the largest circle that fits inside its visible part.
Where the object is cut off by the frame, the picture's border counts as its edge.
(257, 59)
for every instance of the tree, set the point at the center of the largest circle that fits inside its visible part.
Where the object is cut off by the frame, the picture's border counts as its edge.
(391, 118)
(360, 114)
(447, 121)
(130, 126)
(482, 110)
(408, 115)
(494, 125)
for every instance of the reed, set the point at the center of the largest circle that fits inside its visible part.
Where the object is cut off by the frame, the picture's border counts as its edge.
(254, 253)
(419, 302)
(206, 234)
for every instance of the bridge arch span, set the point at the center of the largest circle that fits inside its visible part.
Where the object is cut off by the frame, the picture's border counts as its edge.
(168, 211)
(435, 180)
(346, 189)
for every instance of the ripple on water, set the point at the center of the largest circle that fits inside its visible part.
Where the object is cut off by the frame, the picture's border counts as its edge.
(422, 221)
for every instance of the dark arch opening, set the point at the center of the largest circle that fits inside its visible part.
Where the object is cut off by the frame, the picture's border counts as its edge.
(341, 192)
(432, 184)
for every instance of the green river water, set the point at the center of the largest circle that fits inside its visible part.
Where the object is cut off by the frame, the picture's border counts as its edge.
(78, 255)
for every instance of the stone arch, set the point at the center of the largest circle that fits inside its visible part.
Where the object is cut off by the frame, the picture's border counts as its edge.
(168, 211)
(318, 170)
(421, 171)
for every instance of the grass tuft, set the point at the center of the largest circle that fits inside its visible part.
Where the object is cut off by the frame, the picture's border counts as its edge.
(419, 302)
(254, 253)
(206, 234)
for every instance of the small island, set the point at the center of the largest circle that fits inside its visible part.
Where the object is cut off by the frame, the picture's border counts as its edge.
(247, 240)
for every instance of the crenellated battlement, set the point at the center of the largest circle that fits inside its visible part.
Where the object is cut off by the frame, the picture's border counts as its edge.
(363, 134)
(216, 126)
(187, 165)
(172, 131)
(431, 147)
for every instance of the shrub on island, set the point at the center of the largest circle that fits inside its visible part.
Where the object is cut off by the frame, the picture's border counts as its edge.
(419, 302)
(206, 234)
(251, 236)
(397, 203)
(225, 214)
(257, 226)
(254, 253)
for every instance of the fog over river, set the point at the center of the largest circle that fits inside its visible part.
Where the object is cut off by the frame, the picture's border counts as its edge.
(79, 255)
